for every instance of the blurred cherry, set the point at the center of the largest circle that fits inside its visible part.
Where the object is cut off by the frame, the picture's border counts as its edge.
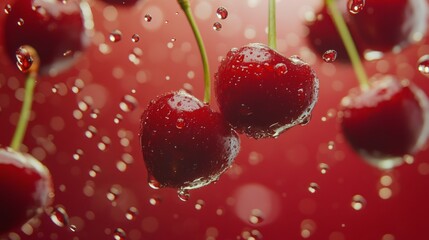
(185, 144)
(58, 30)
(386, 122)
(262, 93)
(26, 187)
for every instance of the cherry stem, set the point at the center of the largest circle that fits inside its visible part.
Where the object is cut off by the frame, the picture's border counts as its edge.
(184, 4)
(349, 44)
(25, 112)
(272, 42)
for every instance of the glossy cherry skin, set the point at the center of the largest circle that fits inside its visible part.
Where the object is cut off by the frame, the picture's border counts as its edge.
(387, 25)
(262, 93)
(184, 143)
(26, 187)
(58, 30)
(386, 122)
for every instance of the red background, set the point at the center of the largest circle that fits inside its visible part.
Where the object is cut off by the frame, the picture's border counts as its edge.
(270, 175)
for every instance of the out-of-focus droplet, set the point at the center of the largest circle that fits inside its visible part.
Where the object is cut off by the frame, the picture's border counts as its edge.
(128, 103)
(200, 204)
(7, 8)
(119, 234)
(313, 188)
(154, 201)
(114, 193)
(217, 26)
(20, 22)
(222, 13)
(135, 38)
(329, 56)
(323, 167)
(24, 60)
(358, 202)
(67, 53)
(115, 36)
(331, 145)
(423, 65)
(147, 17)
(118, 118)
(256, 216)
(180, 123)
(355, 6)
(59, 216)
(73, 228)
(183, 194)
(280, 69)
(94, 171)
(131, 213)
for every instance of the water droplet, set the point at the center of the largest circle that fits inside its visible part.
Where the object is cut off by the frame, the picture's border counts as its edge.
(305, 120)
(128, 103)
(355, 6)
(94, 171)
(314, 187)
(73, 228)
(280, 69)
(331, 145)
(131, 213)
(358, 202)
(256, 216)
(91, 131)
(20, 22)
(119, 234)
(183, 194)
(329, 56)
(118, 118)
(217, 26)
(323, 167)
(59, 216)
(24, 60)
(222, 13)
(114, 193)
(115, 36)
(135, 38)
(423, 65)
(7, 8)
(147, 17)
(154, 201)
(180, 123)
(200, 204)
(67, 53)
(153, 183)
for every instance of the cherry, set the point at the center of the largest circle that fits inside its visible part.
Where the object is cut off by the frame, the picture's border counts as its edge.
(262, 93)
(387, 25)
(58, 30)
(185, 144)
(26, 187)
(386, 122)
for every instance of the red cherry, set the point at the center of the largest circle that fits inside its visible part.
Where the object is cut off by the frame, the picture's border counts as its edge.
(58, 30)
(386, 122)
(26, 187)
(387, 25)
(185, 144)
(261, 93)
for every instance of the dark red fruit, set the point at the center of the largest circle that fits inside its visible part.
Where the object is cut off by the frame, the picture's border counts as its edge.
(58, 30)
(121, 2)
(387, 25)
(185, 144)
(261, 93)
(386, 122)
(26, 188)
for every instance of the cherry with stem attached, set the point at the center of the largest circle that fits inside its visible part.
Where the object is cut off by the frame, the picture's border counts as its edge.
(262, 93)
(185, 144)
(383, 120)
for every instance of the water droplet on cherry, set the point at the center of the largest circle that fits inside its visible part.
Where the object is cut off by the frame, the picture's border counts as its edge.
(222, 13)
(24, 60)
(329, 56)
(423, 65)
(358, 202)
(355, 6)
(280, 69)
(183, 194)
(147, 17)
(7, 8)
(135, 38)
(314, 187)
(59, 216)
(128, 103)
(200, 204)
(323, 167)
(154, 201)
(153, 183)
(131, 213)
(20, 22)
(180, 123)
(256, 216)
(119, 234)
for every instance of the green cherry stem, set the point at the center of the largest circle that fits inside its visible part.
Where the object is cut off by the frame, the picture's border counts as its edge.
(24, 115)
(184, 4)
(272, 41)
(342, 28)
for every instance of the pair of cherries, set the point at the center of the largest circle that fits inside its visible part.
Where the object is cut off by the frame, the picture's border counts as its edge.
(388, 121)
(59, 31)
